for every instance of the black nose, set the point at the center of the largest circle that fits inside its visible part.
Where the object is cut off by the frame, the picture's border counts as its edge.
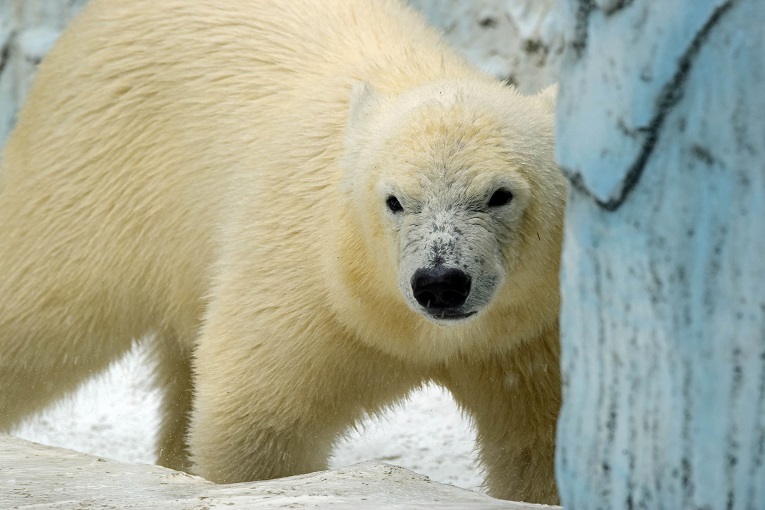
(440, 287)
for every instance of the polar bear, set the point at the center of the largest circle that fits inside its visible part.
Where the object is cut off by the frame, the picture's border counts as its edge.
(310, 207)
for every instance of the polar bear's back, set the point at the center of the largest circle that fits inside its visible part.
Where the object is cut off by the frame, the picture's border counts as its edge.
(148, 119)
(184, 93)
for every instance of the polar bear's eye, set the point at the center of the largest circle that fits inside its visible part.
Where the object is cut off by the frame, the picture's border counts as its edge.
(393, 204)
(500, 197)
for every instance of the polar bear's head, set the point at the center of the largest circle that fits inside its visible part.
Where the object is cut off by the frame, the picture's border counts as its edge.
(455, 188)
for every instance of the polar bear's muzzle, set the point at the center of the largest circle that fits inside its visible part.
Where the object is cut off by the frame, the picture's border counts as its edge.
(450, 264)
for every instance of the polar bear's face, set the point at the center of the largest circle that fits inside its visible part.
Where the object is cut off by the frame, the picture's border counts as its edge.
(453, 234)
(442, 188)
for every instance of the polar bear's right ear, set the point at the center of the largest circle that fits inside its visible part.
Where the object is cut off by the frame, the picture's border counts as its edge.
(549, 97)
(363, 96)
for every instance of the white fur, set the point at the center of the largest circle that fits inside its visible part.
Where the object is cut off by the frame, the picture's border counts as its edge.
(207, 173)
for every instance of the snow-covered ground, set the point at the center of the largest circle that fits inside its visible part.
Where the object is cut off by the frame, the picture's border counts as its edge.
(115, 416)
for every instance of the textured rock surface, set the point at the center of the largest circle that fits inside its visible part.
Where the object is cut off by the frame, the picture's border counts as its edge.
(44, 477)
(519, 40)
(661, 127)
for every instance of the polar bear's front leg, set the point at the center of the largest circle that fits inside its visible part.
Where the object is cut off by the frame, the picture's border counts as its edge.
(272, 398)
(515, 402)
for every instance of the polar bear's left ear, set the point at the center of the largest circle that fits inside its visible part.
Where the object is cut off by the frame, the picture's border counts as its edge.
(363, 96)
(548, 97)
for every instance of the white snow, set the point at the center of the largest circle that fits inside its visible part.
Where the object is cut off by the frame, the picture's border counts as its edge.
(116, 415)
